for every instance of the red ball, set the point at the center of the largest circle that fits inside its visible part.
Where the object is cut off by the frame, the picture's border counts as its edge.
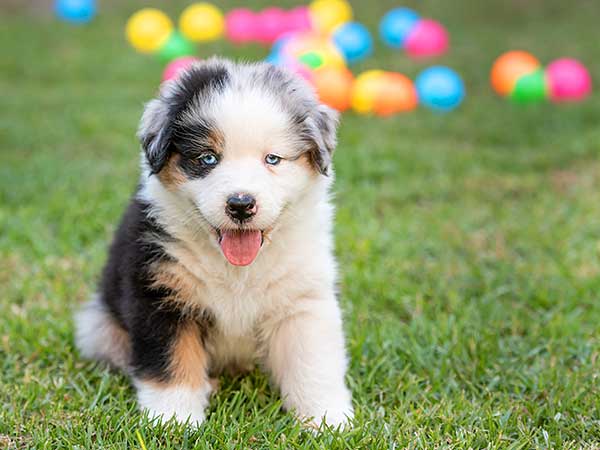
(175, 67)
(569, 80)
(240, 25)
(271, 23)
(429, 38)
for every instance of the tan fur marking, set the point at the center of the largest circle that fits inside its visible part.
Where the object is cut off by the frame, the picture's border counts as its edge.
(170, 175)
(185, 286)
(188, 358)
(188, 364)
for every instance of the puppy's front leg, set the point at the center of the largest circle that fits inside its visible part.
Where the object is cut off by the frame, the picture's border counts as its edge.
(307, 358)
(170, 368)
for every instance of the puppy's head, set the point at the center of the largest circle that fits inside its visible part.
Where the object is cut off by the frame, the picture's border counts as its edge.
(241, 143)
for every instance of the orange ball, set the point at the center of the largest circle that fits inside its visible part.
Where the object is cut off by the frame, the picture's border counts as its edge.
(397, 94)
(334, 87)
(509, 67)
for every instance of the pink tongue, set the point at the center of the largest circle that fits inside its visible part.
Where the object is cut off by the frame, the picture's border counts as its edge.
(241, 247)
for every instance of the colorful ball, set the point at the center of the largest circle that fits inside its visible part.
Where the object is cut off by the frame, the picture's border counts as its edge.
(440, 88)
(568, 80)
(298, 19)
(397, 94)
(531, 88)
(366, 90)
(313, 50)
(334, 87)
(354, 41)
(270, 24)
(240, 25)
(428, 38)
(202, 22)
(76, 11)
(175, 47)
(148, 30)
(326, 15)
(396, 26)
(175, 67)
(297, 68)
(509, 67)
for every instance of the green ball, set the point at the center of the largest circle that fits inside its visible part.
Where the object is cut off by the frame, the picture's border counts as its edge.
(176, 47)
(531, 88)
(311, 59)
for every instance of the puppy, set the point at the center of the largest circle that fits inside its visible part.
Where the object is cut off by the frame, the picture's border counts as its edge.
(224, 256)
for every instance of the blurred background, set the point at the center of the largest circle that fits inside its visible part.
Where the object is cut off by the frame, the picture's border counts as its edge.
(469, 242)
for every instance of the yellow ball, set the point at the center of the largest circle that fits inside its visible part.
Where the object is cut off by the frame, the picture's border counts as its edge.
(329, 14)
(367, 88)
(148, 29)
(202, 22)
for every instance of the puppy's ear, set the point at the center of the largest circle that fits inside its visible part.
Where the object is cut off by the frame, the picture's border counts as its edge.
(323, 125)
(154, 134)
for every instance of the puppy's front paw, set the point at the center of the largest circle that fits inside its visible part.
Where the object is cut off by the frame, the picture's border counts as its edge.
(184, 404)
(333, 410)
(333, 417)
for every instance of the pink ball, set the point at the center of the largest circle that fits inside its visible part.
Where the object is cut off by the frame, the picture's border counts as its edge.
(271, 23)
(297, 68)
(240, 25)
(428, 38)
(569, 80)
(175, 67)
(298, 19)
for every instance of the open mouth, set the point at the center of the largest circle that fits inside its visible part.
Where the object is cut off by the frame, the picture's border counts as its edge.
(240, 247)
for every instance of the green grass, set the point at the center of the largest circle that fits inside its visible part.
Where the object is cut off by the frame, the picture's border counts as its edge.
(469, 245)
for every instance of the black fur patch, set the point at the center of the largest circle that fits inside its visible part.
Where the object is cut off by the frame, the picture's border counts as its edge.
(191, 85)
(191, 141)
(126, 289)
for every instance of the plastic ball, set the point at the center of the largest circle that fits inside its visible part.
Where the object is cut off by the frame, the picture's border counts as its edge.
(334, 87)
(297, 68)
(270, 24)
(397, 94)
(148, 29)
(396, 26)
(77, 11)
(428, 38)
(326, 15)
(366, 89)
(313, 50)
(202, 22)
(298, 19)
(240, 25)
(175, 47)
(175, 67)
(313, 60)
(440, 88)
(531, 88)
(354, 41)
(568, 80)
(509, 67)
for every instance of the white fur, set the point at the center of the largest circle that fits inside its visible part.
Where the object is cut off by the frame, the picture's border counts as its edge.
(179, 402)
(98, 336)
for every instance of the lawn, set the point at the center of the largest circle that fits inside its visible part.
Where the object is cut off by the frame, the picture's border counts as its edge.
(469, 244)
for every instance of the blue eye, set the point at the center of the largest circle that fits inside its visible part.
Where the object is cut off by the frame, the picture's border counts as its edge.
(272, 159)
(209, 159)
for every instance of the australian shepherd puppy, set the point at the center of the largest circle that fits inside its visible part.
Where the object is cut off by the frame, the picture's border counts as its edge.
(224, 257)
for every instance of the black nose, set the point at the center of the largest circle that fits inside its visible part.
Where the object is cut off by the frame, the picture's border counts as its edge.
(241, 206)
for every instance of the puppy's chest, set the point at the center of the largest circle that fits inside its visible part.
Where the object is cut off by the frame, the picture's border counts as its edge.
(234, 341)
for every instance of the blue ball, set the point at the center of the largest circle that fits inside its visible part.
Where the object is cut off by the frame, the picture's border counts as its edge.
(440, 88)
(354, 41)
(274, 58)
(78, 11)
(396, 25)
